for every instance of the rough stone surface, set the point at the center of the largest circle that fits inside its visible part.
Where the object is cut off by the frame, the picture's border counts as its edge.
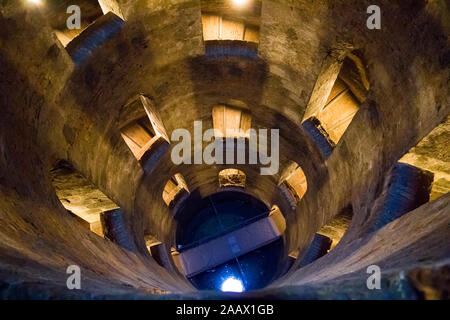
(53, 110)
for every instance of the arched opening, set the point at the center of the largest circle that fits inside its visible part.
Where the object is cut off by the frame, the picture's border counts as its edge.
(213, 245)
(341, 88)
(231, 121)
(80, 197)
(336, 228)
(421, 175)
(83, 26)
(432, 154)
(159, 252)
(232, 178)
(58, 15)
(293, 184)
(326, 238)
(142, 129)
(174, 190)
(139, 136)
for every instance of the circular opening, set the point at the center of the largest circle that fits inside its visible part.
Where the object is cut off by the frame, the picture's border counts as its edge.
(227, 216)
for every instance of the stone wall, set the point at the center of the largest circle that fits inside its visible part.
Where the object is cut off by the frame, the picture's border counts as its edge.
(53, 110)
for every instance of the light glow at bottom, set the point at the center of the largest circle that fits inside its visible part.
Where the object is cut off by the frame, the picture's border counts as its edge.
(240, 3)
(232, 285)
